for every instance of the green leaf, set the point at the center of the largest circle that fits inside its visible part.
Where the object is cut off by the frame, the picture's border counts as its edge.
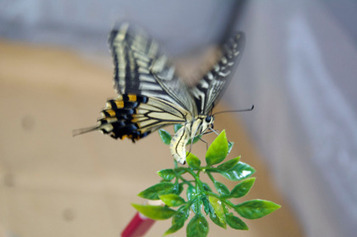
(218, 209)
(242, 188)
(255, 209)
(221, 188)
(178, 188)
(193, 161)
(197, 203)
(154, 212)
(207, 206)
(197, 227)
(165, 136)
(154, 191)
(216, 220)
(218, 149)
(177, 127)
(238, 172)
(196, 206)
(178, 220)
(235, 223)
(180, 170)
(167, 174)
(228, 164)
(191, 192)
(206, 187)
(230, 146)
(172, 200)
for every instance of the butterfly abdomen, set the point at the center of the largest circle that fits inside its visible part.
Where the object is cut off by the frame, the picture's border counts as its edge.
(119, 117)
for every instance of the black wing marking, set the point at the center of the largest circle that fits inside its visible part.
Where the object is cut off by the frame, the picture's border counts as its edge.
(136, 116)
(141, 69)
(209, 89)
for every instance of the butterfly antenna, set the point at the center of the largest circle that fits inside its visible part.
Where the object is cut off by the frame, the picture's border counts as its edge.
(235, 111)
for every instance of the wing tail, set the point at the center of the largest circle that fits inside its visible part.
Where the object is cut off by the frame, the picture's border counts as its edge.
(81, 131)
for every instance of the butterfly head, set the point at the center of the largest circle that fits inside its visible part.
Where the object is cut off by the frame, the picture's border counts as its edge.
(209, 121)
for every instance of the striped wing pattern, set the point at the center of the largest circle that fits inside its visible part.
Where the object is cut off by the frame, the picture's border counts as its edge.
(151, 95)
(140, 68)
(209, 89)
(136, 116)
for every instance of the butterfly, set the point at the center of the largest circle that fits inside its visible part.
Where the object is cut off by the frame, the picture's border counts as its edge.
(151, 95)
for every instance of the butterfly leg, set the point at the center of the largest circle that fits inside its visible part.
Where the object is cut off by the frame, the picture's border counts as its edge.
(205, 142)
(215, 131)
(189, 151)
(209, 132)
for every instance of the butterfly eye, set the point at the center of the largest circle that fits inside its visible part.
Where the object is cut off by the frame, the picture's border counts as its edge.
(208, 119)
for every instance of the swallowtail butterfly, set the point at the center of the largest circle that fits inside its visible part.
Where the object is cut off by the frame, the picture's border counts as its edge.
(151, 95)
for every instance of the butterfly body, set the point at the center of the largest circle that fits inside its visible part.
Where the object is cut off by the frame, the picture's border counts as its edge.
(188, 131)
(151, 95)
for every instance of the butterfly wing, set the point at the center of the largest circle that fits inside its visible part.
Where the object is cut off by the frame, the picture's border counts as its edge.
(136, 116)
(150, 93)
(209, 89)
(140, 68)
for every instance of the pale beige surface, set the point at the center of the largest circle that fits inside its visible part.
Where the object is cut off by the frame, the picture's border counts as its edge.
(56, 185)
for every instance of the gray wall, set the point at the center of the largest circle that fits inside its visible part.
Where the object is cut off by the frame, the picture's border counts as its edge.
(299, 69)
(179, 25)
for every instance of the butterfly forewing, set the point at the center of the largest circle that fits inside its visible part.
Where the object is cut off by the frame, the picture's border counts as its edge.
(209, 89)
(140, 68)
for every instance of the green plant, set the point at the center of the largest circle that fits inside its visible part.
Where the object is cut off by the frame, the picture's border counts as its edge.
(200, 197)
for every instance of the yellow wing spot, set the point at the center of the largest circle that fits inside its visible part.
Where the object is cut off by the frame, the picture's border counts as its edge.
(111, 120)
(119, 104)
(132, 98)
(134, 120)
(123, 137)
(111, 112)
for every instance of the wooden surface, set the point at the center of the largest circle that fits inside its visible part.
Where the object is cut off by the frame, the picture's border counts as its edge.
(55, 185)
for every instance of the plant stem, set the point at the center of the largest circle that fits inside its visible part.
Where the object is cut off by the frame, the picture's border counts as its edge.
(211, 177)
(196, 177)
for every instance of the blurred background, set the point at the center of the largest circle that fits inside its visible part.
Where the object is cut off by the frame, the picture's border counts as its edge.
(56, 74)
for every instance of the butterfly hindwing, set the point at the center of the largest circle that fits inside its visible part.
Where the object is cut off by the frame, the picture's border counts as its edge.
(135, 116)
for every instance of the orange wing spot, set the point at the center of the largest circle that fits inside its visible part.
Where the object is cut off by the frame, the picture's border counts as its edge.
(119, 104)
(132, 98)
(111, 112)
(123, 137)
